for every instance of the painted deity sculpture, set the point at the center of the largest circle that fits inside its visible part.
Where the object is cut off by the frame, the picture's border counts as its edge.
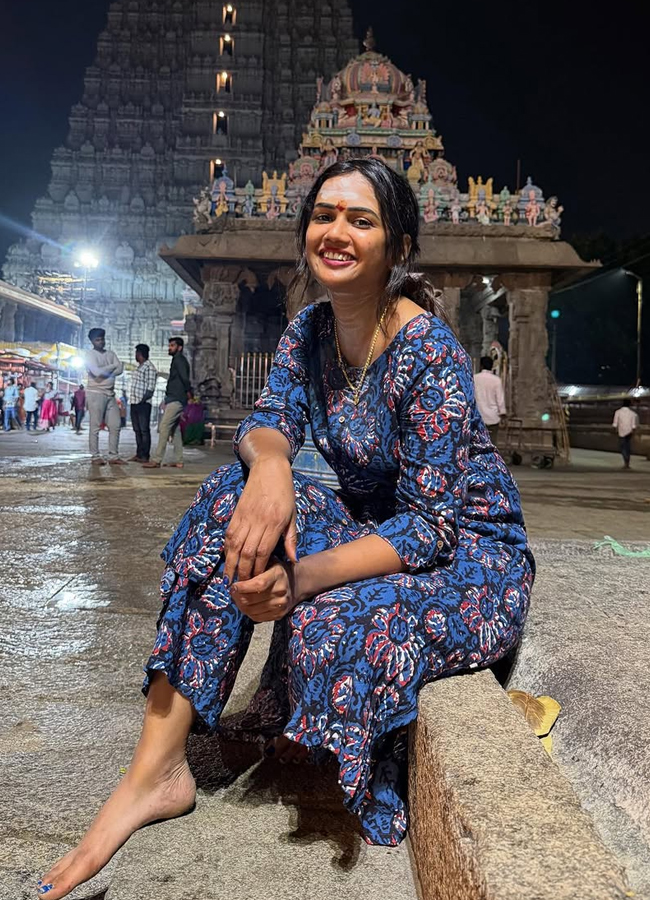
(371, 109)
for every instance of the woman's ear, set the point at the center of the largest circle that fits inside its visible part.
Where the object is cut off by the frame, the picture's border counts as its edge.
(406, 245)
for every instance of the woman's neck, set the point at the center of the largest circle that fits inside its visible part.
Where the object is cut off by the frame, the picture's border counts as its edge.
(356, 322)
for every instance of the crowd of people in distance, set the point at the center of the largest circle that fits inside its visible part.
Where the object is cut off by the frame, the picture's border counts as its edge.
(36, 408)
(33, 408)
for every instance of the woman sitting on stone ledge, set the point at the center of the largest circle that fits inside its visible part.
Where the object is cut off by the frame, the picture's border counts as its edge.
(417, 568)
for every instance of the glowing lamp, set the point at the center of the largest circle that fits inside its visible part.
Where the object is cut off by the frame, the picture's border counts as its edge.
(555, 313)
(227, 38)
(221, 114)
(77, 362)
(546, 417)
(87, 259)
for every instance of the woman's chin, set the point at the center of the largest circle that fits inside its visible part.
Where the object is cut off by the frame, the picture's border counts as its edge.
(334, 279)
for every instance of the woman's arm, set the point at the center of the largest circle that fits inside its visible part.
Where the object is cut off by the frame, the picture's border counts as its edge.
(266, 442)
(367, 557)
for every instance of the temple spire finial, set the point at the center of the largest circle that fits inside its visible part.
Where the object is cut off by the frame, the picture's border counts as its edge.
(369, 40)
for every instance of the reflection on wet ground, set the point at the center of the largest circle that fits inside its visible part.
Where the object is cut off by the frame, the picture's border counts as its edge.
(78, 603)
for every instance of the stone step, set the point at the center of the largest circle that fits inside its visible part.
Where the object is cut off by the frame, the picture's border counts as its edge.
(492, 816)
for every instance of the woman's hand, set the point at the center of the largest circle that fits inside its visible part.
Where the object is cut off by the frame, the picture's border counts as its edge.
(266, 511)
(269, 596)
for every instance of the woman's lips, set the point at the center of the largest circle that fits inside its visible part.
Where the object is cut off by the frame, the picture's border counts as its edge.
(334, 263)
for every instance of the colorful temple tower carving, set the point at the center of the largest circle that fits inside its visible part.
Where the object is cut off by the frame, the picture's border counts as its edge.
(371, 108)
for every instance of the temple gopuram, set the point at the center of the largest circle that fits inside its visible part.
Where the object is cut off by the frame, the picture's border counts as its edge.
(495, 254)
(174, 86)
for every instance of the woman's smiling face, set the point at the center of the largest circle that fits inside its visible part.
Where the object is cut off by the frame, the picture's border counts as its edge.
(346, 238)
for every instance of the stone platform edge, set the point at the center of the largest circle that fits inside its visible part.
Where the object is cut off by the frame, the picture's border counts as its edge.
(492, 816)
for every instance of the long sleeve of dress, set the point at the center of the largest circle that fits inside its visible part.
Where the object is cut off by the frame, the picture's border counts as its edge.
(434, 417)
(284, 402)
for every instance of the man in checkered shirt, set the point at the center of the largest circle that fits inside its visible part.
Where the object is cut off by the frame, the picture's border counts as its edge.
(143, 385)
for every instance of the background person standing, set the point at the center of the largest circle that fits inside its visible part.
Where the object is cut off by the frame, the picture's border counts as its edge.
(103, 367)
(177, 396)
(79, 407)
(11, 405)
(625, 422)
(143, 385)
(490, 398)
(30, 405)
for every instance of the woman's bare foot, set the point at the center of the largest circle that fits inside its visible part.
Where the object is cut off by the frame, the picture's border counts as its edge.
(285, 750)
(144, 795)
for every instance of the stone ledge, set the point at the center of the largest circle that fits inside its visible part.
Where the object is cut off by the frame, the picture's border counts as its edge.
(492, 816)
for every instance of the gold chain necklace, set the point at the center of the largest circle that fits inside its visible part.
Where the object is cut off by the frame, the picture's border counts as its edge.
(356, 388)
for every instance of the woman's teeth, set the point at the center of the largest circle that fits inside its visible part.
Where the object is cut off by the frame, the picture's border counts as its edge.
(339, 257)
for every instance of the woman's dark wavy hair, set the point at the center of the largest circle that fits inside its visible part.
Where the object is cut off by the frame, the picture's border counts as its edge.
(400, 216)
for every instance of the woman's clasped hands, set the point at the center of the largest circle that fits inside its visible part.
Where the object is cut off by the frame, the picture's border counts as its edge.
(262, 586)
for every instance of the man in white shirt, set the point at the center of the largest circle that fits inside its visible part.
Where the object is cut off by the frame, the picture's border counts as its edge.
(103, 367)
(490, 398)
(625, 422)
(30, 405)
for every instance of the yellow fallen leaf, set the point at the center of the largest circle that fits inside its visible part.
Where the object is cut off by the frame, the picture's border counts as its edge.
(540, 712)
(547, 743)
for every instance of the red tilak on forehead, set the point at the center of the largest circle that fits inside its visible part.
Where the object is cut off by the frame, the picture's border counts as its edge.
(341, 205)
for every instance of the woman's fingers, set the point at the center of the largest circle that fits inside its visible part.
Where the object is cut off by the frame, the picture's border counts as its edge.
(291, 540)
(236, 535)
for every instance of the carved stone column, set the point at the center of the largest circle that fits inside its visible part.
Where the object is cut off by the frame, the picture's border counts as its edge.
(7, 321)
(490, 317)
(451, 284)
(19, 324)
(209, 334)
(528, 345)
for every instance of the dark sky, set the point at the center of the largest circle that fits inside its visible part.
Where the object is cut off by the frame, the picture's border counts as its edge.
(562, 86)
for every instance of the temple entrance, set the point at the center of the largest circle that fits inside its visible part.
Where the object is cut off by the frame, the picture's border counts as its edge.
(251, 372)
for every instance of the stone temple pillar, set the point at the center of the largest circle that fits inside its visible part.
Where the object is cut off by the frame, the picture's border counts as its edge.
(451, 284)
(527, 346)
(209, 335)
(19, 324)
(8, 321)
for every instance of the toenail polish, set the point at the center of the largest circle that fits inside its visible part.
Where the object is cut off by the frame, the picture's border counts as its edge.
(226, 581)
(45, 889)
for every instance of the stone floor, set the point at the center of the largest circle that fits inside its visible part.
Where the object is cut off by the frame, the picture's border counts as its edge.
(79, 573)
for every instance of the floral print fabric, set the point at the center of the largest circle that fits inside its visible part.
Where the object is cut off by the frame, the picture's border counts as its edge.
(416, 466)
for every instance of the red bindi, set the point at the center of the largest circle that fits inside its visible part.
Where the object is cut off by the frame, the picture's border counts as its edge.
(341, 205)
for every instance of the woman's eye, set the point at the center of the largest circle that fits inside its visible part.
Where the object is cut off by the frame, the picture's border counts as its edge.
(322, 217)
(363, 223)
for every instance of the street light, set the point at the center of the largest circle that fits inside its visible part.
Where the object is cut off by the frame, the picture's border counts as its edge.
(639, 317)
(86, 259)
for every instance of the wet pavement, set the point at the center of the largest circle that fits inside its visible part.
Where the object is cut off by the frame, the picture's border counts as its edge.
(79, 599)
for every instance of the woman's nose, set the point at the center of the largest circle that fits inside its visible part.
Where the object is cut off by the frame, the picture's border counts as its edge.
(338, 230)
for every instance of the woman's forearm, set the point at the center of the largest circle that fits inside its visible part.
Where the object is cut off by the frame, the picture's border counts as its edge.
(264, 444)
(367, 557)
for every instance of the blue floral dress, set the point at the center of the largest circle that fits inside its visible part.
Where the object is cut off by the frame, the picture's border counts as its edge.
(416, 467)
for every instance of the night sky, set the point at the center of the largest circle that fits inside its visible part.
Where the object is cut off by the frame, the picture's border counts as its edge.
(562, 86)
